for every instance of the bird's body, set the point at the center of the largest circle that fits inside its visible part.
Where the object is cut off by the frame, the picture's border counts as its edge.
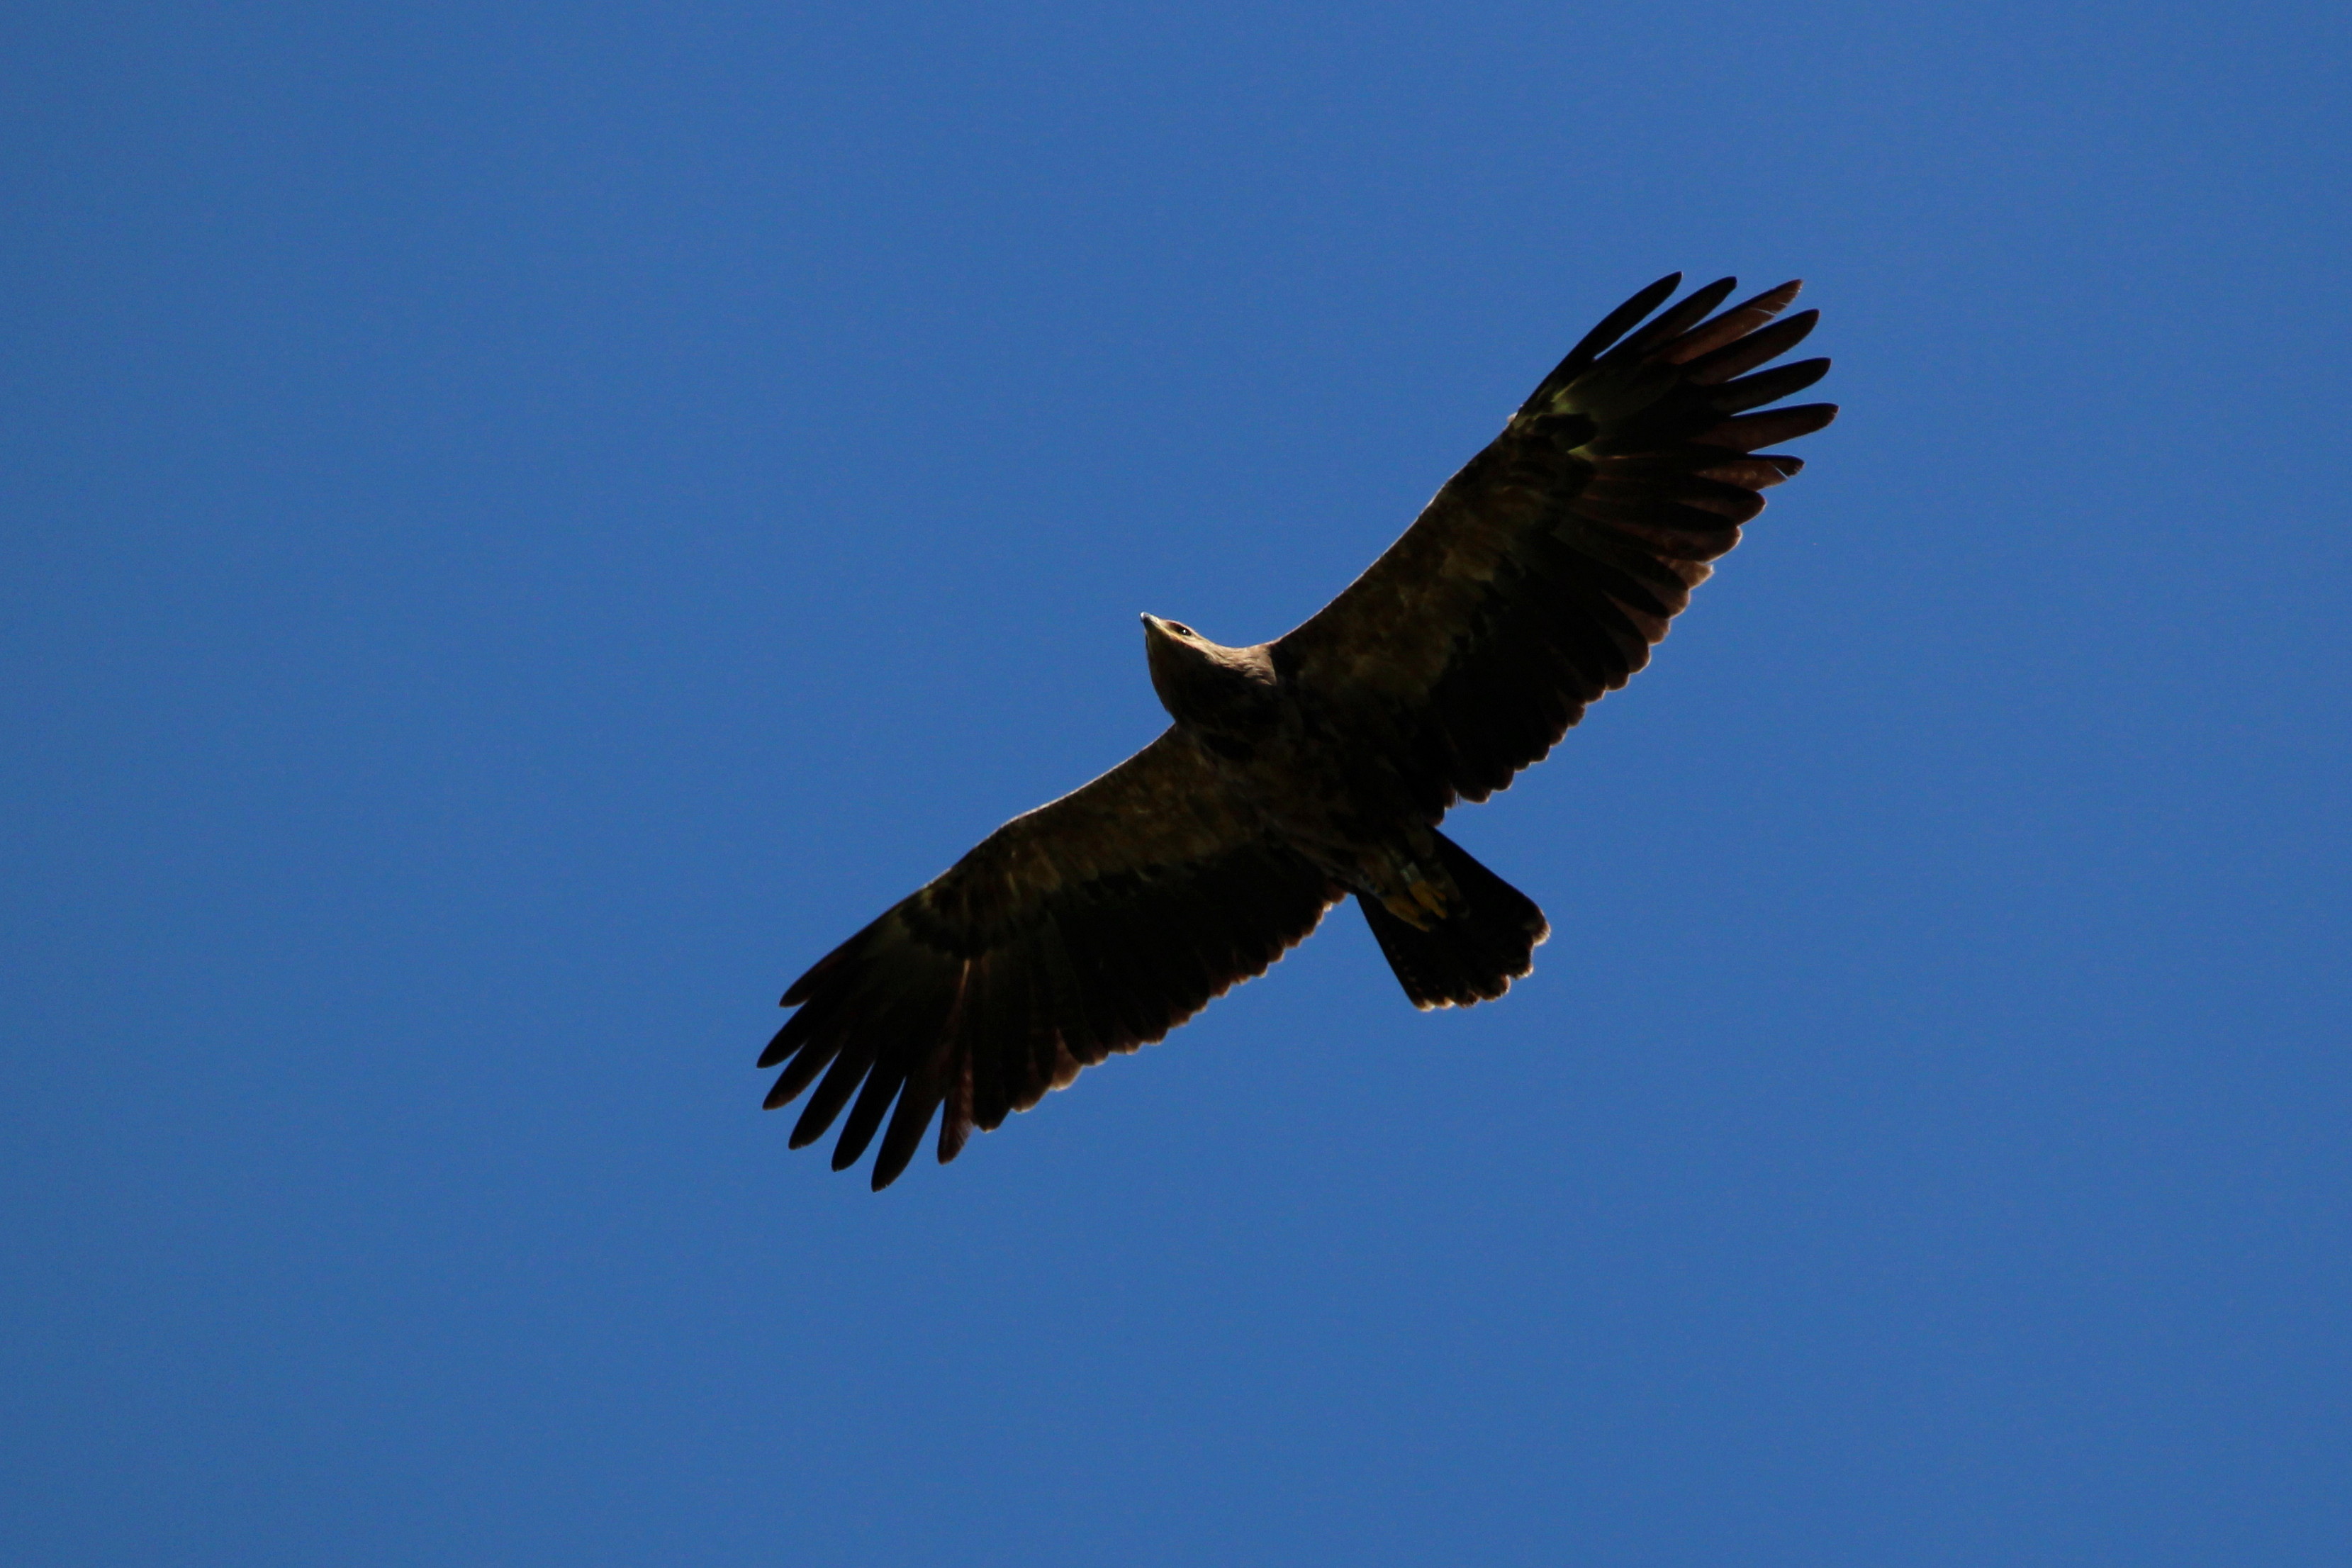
(1301, 771)
(1280, 747)
(1276, 748)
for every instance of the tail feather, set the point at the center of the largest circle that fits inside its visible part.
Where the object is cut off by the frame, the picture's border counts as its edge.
(1475, 952)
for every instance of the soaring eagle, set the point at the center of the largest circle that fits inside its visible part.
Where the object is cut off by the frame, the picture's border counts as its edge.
(1319, 765)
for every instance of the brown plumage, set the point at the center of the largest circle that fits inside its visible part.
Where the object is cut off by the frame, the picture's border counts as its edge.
(1303, 769)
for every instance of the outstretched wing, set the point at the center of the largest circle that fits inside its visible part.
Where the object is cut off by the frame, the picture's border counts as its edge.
(1092, 925)
(1539, 576)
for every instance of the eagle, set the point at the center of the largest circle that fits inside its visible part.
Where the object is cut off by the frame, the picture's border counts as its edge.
(1298, 771)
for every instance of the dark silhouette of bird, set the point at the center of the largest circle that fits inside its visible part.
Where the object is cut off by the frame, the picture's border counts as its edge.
(1318, 766)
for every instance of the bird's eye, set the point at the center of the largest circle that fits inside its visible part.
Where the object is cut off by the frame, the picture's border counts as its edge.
(1180, 629)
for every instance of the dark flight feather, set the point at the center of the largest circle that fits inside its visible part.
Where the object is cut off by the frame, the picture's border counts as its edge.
(1089, 926)
(1537, 580)
(1592, 546)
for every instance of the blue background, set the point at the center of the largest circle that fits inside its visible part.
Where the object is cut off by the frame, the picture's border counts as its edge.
(523, 525)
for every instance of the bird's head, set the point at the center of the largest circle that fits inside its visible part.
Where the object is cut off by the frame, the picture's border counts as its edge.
(1203, 683)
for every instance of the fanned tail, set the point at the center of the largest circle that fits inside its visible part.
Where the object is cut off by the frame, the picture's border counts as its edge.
(1475, 953)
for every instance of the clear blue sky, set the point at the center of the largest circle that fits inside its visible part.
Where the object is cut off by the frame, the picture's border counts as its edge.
(520, 526)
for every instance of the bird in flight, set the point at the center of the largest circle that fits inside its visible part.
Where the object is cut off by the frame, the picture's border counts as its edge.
(1318, 765)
